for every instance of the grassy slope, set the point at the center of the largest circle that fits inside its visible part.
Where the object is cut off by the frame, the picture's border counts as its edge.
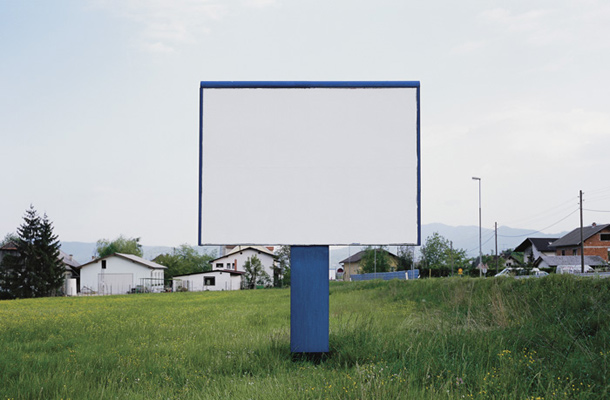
(434, 338)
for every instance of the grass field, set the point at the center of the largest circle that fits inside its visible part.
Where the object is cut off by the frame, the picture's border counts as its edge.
(452, 338)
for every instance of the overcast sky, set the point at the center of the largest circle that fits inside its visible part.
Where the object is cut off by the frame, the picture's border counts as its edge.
(99, 102)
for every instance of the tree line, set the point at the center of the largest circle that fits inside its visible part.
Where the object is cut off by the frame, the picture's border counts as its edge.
(33, 267)
(437, 258)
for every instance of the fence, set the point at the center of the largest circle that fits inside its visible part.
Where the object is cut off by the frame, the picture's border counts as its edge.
(386, 276)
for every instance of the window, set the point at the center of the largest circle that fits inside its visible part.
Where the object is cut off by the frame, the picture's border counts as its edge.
(209, 281)
(563, 252)
(574, 252)
(219, 265)
(103, 264)
(604, 237)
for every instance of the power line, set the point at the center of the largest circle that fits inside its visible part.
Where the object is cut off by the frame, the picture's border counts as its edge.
(604, 211)
(605, 189)
(558, 209)
(540, 231)
(485, 242)
(593, 198)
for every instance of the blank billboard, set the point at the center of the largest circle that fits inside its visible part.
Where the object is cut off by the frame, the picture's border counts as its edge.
(309, 163)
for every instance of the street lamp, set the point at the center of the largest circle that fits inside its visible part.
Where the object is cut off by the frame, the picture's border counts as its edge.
(480, 246)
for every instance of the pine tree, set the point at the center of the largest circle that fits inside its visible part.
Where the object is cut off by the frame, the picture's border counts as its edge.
(53, 269)
(36, 270)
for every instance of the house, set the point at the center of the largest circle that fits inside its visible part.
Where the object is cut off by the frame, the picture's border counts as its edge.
(8, 248)
(120, 274)
(351, 265)
(71, 274)
(532, 248)
(224, 250)
(596, 242)
(211, 280)
(568, 262)
(235, 259)
(227, 271)
(513, 260)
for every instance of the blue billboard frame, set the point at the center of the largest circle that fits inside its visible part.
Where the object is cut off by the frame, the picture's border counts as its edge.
(306, 85)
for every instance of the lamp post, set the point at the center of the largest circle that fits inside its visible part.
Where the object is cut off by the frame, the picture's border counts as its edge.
(480, 246)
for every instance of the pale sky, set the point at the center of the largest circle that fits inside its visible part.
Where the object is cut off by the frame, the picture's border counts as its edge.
(99, 102)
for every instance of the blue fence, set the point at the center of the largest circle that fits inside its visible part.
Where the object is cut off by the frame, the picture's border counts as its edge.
(386, 276)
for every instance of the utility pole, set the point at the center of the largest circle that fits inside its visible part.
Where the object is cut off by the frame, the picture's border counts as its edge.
(480, 246)
(349, 263)
(451, 243)
(375, 264)
(582, 242)
(496, 225)
(412, 261)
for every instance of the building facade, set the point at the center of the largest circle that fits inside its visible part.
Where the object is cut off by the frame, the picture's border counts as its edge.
(121, 274)
(596, 242)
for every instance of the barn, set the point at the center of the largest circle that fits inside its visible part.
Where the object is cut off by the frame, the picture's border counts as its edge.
(121, 273)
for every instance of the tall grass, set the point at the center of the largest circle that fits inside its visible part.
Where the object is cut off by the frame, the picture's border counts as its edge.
(427, 339)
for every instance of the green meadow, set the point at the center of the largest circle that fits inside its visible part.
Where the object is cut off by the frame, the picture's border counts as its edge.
(451, 338)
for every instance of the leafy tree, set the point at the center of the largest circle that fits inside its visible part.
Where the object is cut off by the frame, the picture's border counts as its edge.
(255, 273)
(36, 269)
(506, 253)
(375, 260)
(405, 258)
(281, 272)
(8, 238)
(528, 263)
(490, 261)
(437, 255)
(105, 247)
(184, 260)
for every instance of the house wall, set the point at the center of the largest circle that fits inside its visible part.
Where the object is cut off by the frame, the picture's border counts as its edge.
(530, 253)
(594, 246)
(195, 282)
(354, 268)
(119, 277)
(241, 257)
(350, 269)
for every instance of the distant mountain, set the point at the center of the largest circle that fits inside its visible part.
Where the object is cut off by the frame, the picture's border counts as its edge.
(463, 237)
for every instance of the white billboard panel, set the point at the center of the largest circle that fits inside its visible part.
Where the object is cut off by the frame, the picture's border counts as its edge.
(306, 163)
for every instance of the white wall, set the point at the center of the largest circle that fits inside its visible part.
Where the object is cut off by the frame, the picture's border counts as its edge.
(195, 282)
(119, 277)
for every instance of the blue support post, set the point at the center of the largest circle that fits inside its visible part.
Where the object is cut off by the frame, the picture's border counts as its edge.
(309, 299)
